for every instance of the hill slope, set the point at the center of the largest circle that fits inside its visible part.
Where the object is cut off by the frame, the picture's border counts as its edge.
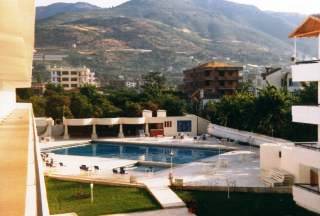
(168, 36)
(58, 8)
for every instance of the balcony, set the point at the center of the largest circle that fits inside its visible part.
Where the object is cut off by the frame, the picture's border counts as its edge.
(306, 71)
(307, 196)
(306, 114)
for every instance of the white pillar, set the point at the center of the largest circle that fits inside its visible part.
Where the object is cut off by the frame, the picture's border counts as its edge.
(319, 46)
(319, 86)
(295, 49)
(66, 133)
(94, 132)
(50, 129)
(120, 135)
(147, 130)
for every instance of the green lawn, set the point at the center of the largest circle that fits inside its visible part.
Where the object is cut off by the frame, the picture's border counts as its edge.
(64, 197)
(242, 204)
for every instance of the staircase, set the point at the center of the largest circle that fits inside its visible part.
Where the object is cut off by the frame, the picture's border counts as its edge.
(278, 177)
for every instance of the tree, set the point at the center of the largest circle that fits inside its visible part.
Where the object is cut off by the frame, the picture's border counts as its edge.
(132, 110)
(154, 83)
(173, 105)
(38, 104)
(80, 106)
(52, 89)
(57, 106)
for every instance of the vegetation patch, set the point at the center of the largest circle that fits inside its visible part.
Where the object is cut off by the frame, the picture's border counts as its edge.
(65, 197)
(244, 204)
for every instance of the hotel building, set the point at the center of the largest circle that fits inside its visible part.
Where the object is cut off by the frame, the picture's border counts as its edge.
(211, 80)
(71, 77)
(302, 160)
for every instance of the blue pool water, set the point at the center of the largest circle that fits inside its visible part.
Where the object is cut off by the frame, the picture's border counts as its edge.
(181, 155)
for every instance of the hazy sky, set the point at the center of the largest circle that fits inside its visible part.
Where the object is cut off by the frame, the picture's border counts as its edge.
(300, 6)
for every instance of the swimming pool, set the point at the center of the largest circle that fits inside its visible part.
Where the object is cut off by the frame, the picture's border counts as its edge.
(180, 155)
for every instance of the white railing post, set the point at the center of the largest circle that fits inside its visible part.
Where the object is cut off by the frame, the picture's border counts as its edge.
(295, 49)
(319, 46)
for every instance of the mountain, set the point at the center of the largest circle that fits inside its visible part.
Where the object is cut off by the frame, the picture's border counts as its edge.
(169, 36)
(58, 8)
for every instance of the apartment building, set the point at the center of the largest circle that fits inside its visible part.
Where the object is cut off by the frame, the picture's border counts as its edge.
(302, 159)
(72, 77)
(22, 189)
(211, 80)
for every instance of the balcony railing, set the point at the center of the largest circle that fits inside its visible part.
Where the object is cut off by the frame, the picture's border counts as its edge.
(309, 145)
(308, 62)
(311, 188)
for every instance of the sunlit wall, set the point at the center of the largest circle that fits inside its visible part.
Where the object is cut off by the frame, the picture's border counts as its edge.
(17, 20)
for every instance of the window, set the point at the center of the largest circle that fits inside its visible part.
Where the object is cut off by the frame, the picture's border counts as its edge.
(230, 73)
(221, 83)
(184, 126)
(168, 124)
(65, 73)
(65, 85)
(74, 73)
(207, 82)
(290, 82)
(207, 73)
(74, 79)
(74, 85)
(59, 73)
(65, 79)
(221, 73)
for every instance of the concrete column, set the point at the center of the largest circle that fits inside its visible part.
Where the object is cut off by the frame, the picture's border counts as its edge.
(147, 130)
(94, 132)
(50, 129)
(121, 135)
(66, 133)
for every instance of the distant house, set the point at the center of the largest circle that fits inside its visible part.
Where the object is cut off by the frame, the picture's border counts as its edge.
(72, 77)
(211, 80)
(280, 79)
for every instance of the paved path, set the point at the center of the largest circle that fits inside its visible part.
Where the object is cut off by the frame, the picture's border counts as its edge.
(162, 212)
(164, 195)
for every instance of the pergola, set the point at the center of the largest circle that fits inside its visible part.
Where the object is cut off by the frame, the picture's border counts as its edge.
(310, 28)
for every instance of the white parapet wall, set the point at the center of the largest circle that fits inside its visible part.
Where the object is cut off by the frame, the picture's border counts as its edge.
(306, 114)
(242, 136)
(306, 199)
(306, 72)
(8, 98)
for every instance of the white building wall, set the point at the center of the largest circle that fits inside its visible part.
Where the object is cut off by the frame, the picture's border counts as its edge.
(8, 101)
(306, 199)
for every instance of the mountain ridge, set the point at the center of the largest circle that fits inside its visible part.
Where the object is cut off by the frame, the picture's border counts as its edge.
(179, 33)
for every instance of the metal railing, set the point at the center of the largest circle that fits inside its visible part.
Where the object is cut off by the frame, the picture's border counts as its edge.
(308, 62)
(311, 188)
(309, 145)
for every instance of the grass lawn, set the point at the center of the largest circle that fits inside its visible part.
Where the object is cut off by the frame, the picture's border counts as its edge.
(242, 204)
(65, 197)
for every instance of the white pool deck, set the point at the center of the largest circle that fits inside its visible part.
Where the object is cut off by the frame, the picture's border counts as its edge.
(238, 168)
